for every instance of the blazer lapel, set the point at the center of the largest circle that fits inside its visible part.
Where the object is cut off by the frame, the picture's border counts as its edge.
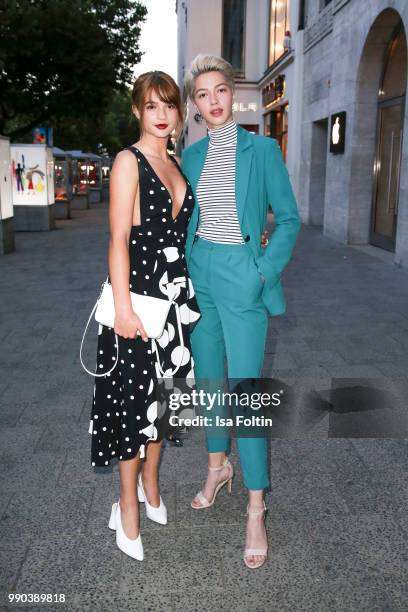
(197, 164)
(243, 168)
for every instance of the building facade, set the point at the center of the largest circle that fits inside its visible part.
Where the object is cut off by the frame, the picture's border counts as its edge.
(327, 79)
(354, 146)
(250, 34)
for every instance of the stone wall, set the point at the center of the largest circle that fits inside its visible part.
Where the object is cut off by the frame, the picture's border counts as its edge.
(344, 45)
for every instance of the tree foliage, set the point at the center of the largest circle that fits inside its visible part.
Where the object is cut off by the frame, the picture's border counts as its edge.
(64, 59)
(107, 133)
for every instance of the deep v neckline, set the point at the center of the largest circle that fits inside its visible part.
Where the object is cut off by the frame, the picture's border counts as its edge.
(164, 185)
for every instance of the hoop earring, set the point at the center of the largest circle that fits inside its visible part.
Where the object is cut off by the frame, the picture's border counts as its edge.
(198, 117)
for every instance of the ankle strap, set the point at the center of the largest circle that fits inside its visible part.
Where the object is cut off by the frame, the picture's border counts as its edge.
(217, 469)
(256, 512)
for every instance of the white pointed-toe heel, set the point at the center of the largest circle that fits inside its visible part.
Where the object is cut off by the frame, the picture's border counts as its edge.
(112, 519)
(133, 548)
(159, 515)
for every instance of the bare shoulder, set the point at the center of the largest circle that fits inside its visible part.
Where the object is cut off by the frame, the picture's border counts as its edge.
(125, 162)
(125, 158)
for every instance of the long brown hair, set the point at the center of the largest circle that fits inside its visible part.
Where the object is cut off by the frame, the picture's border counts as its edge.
(166, 89)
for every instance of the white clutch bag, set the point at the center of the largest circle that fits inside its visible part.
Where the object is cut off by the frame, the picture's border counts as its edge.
(152, 312)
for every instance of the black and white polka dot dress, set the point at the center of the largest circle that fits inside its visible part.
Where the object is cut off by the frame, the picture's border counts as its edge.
(124, 407)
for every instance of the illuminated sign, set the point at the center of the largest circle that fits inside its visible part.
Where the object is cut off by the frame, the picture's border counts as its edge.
(274, 91)
(243, 108)
(337, 132)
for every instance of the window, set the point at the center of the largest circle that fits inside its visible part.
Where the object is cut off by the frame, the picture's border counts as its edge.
(278, 24)
(276, 126)
(302, 15)
(390, 121)
(233, 34)
(394, 78)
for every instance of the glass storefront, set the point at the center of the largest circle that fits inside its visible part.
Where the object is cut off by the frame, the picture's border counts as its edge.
(106, 169)
(391, 104)
(82, 176)
(63, 178)
(95, 174)
(276, 126)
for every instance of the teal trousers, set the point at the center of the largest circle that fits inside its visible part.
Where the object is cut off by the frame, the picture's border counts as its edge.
(233, 323)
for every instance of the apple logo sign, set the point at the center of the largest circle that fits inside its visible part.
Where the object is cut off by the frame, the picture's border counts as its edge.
(336, 131)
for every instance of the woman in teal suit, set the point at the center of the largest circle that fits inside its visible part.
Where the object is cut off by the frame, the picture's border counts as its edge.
(235, 176)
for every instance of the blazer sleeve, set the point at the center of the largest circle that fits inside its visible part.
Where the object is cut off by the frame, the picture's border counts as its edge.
(287, 222)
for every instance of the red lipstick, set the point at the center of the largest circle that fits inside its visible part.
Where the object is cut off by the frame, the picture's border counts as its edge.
(162, 126)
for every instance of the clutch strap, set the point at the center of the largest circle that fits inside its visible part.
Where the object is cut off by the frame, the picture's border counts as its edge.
(82, 342)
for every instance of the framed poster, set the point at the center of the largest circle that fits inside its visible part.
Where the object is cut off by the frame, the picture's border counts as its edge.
(31, 174)
(6, 201)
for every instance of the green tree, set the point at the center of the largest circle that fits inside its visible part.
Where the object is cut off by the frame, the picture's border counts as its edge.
(64, 59)
(106, 133)
(120, 127)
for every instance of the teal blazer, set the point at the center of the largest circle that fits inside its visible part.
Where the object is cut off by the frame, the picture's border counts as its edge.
(261, 179)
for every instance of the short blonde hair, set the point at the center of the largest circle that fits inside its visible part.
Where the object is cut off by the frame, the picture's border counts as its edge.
(203, 63)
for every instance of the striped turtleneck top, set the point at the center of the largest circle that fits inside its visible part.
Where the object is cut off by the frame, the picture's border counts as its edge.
(216, 188)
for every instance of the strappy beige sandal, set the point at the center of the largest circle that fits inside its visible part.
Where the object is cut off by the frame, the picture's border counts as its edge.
(203, 500)
(249, 552)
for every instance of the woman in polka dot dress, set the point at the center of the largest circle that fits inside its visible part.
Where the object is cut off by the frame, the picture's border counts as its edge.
(150, 205)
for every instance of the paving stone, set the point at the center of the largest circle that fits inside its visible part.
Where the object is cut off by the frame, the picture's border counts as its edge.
(390, 486)
(98, 573)
(371, 544)
(13, 551)
(18, 442)
(308, 493)
(368, 595)
(101, 602)
(64, 436)
(304, 596)
(61, 511)
(30, 473)
(177, 566)
(77, 468)
(3, 387)
(397, 589)
(392, 454)
(10, 412)
(50, 566)
(183, 466)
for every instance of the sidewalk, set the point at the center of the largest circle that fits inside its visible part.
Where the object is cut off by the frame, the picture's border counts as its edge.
(337, 520)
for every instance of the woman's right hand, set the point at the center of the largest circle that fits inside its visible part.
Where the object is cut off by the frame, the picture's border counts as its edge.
(128, 325)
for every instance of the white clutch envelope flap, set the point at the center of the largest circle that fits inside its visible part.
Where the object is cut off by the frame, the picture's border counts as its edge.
(152, 311)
